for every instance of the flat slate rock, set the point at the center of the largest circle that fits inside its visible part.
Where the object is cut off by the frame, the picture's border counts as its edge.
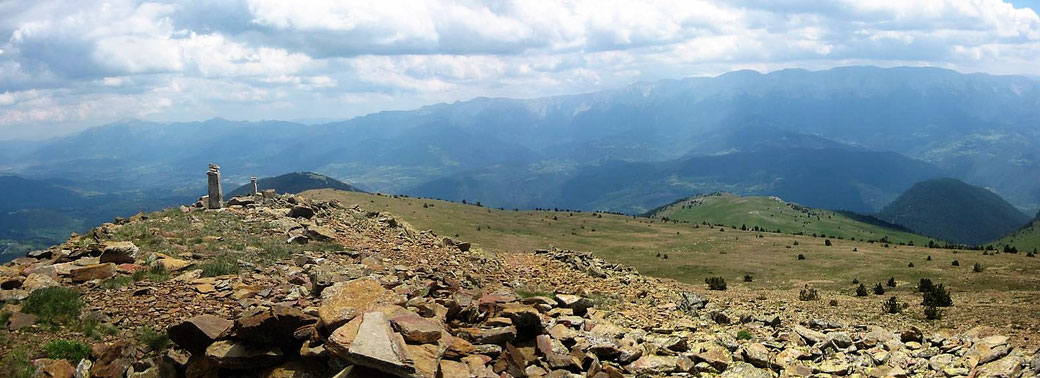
(377, 346)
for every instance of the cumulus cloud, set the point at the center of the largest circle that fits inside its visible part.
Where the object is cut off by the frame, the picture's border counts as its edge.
(65, 65)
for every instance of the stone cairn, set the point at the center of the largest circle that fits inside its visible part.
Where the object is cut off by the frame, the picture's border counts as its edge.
(252, 184)
(216, 195)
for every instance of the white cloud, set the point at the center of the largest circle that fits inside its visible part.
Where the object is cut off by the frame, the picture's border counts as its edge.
(80, 64)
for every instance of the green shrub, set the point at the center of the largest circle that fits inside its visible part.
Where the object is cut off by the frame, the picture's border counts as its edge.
(801, 256)
(54, 305)
(116, 282)
(925, 285)
(938, 296)
(747, 278)
(525, 293)
(220, 266)
(891, 282)
(715, 283)
(70, 350)
(16, 364)
(158, 341)
(154, 273)
(861, 291)
(956, 263)
(743, 335)
(879, 290)
(808, 294)
(977, 268)
(891, 306)
(933, 313)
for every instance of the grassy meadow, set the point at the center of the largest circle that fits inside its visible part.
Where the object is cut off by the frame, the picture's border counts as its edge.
(695, 252)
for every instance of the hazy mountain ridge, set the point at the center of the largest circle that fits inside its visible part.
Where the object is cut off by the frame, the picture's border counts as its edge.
(295, 182)
(978, 128)
(952, 210)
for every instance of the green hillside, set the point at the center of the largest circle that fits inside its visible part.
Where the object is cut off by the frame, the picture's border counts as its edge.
(772, 213)
(691, 254)
(952, 210)
(296, 182)
(1026, 239)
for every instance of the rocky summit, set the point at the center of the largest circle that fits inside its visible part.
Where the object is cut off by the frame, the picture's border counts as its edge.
(282, 286)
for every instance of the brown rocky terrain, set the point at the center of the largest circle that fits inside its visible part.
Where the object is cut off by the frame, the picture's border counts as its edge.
(281, 286)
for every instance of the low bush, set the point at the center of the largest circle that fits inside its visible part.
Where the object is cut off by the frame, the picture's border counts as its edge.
(891, 306)
(54, 305)
(156, 340)
(801, 256)
(747, 278)
(925, 285)
(743, 335)
(977, 268)
(15, 363)
(808, 294)
(933, 313)
(891, 282)
(222, 265)
(861, 291)
(878, 289)
(937, 296)
(715, 283)
(70, 350)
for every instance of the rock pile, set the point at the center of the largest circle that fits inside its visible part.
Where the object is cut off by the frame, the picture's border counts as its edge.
(401, 302)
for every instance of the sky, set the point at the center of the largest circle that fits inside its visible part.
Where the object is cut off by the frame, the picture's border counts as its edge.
(69, 65)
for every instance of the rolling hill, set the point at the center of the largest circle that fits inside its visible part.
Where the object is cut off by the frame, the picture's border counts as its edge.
(294, 183)
(688, 254)
(1025, 239)
(952, 210)
(773, 213)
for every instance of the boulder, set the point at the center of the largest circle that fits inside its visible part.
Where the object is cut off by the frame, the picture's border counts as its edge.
(300, 211)
(756, 354)
(174, 264)
(810, 336)
(320, 233)
(417, 330)
(525, 318)
(745, 370)
(345, 300)
(93, 272)
(37, 281)
(48, 368)
(654, 365)
(576, 303)
(113, 359)
(19, 320)
(713, 354)
(275, 326)
(239, 355)
(11, 283)
(123, 252)
(369, 341)
(241, 201)
(497, 335)
(199, 332)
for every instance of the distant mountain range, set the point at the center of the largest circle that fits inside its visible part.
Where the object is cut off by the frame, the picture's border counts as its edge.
(851, 138)
(295, 182)
(952, 210)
